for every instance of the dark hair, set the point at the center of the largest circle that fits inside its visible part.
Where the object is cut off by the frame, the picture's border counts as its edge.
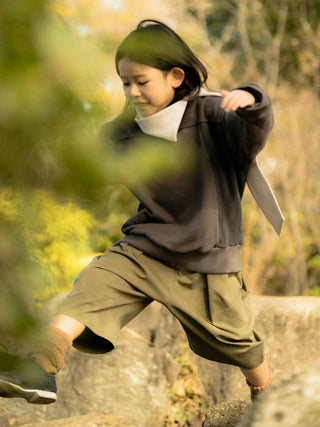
(155, 44)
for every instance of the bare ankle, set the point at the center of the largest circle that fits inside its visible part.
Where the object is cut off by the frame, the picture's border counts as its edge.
(256, 389)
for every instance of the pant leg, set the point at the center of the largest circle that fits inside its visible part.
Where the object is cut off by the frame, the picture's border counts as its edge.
(104, 302)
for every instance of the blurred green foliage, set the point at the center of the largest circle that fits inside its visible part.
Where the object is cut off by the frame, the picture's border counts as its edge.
(48, 77)
(59, 198)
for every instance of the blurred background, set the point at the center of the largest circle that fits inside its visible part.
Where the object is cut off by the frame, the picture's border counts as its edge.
(59, 201)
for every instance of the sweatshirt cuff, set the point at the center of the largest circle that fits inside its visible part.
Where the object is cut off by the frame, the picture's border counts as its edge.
(262, 100)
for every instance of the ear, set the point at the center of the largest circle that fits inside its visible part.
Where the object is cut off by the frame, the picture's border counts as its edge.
(176, 76)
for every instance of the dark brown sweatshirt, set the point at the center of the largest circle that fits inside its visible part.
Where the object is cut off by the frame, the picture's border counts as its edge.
(192, 219)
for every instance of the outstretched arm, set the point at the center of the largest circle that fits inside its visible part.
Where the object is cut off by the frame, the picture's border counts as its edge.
(247, 120)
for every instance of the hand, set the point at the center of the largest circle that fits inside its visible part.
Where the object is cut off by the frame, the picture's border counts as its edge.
(234, 99)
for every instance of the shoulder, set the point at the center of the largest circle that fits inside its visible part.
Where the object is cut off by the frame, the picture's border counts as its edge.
(204, 107)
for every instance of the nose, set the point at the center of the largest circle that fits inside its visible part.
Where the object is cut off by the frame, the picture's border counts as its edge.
(134, 91)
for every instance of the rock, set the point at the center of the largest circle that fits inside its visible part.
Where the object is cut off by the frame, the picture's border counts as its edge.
(134, 381)
(291, 328)
(126, 383)
(293, 401)
(91, 420)
(283, 321)
(227, 414)
(160, 327)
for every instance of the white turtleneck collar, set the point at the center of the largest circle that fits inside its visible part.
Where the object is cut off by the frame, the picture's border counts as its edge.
(165, 123)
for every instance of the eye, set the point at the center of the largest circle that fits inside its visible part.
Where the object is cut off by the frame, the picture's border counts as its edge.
(143, 83)
(125, 84)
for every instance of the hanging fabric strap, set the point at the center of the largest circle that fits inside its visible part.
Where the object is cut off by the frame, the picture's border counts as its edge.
(264, 196)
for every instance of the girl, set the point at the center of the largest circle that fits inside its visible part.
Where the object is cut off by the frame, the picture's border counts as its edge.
(183, 246)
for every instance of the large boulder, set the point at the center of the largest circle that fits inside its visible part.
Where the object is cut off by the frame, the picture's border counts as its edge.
(133, 383)
(291, 328)
(126, 384)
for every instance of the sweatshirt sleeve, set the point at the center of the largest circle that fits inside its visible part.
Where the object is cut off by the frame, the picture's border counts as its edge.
(247, 129)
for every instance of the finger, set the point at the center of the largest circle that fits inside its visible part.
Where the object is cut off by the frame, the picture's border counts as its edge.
(226, 94)
(242, 99)
(231, 101)
(248, 100)
(237, 99)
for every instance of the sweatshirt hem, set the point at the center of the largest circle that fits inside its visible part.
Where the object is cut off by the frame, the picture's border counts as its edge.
(218, 260)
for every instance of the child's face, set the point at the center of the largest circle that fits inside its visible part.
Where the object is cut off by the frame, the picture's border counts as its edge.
(147, 88)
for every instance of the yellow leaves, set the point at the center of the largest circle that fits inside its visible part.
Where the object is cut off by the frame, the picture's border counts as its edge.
(8, 206)
(56, 236)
